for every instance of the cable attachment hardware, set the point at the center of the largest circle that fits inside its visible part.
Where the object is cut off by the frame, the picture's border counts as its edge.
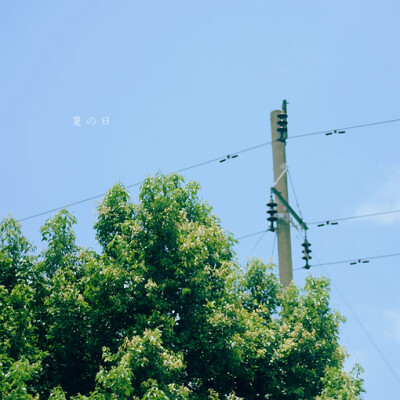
(229, 156)
(335, 131)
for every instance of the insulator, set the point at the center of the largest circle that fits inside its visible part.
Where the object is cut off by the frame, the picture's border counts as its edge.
(272, 219)
(236, 155)
(319, 225)
(271, 203)
(306, 252)
(282, 122)
(223, 160)
(282, 115)
(342, 132)
(334, 223)
(328, 133)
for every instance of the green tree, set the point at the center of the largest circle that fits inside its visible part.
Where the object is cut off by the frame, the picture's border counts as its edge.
(162, 312)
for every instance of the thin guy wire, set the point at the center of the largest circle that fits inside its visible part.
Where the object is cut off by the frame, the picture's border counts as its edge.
(367, 334)
(294, 192)
(273, 245)
(361, 324)
(344, 299)
(257, 242)
(252, 234)
(300, 238)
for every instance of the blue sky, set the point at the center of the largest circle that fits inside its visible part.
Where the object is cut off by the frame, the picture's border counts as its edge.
(187, 81)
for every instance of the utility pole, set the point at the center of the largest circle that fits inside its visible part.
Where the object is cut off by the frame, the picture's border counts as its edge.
(279, 136)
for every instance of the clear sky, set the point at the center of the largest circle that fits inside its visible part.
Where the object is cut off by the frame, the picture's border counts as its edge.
(184, 82)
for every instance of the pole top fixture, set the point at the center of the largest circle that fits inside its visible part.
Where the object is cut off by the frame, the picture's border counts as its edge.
(284, 106)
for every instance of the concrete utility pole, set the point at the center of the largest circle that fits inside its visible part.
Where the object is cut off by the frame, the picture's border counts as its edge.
(279, 135)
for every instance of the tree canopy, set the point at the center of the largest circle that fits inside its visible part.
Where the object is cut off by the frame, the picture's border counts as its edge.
(163, 311)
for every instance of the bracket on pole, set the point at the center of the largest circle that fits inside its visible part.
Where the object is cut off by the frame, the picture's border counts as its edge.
(285, 168)
(290, 209)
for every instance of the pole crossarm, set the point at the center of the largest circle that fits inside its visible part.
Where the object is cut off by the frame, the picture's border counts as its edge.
(290, 209)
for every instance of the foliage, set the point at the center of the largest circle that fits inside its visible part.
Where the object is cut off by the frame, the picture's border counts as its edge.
(163, 312)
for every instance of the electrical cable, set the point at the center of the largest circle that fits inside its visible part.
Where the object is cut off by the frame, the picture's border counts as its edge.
(139, 183)
(344, 129)
(201, 164)
(328, 221)
(354, 261)
(221, 158)
(73, 204)
(273, 245)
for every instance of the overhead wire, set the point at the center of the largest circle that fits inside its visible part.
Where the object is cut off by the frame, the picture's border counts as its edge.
(348, 304)
(345, 129)
(203, 163)
(273, 245)
(328, 221)
(358, 260)
(139, 183)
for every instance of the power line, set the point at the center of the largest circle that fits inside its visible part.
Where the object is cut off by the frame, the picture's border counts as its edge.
(353, 261)
(220, 159)
(329, 221)
(345, 129)
(139, 183)
(342, 296)
(73, 204)
(223, 158)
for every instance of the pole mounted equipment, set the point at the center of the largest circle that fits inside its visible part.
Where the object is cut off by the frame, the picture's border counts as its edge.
(280, 218)
(282, 126)
(306, 253)
(272, 214)
(278, 136)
